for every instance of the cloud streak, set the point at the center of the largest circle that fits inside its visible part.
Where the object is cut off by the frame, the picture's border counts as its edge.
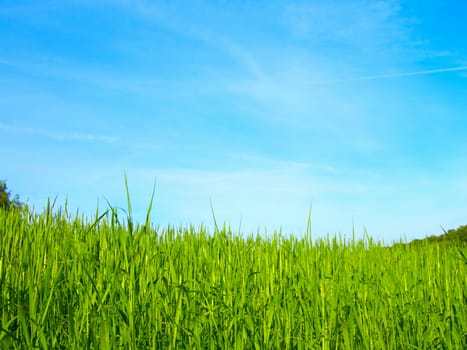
(392, 75)
(62, 136)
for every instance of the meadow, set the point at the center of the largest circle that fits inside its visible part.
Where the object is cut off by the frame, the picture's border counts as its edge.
(67, 282)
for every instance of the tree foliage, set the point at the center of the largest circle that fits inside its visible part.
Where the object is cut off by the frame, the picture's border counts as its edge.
(6, 202)
(457, 236)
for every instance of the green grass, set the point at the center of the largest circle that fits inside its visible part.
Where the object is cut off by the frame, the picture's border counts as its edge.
(69, 283)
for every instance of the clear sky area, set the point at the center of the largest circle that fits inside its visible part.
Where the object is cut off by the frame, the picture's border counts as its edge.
(355, 109)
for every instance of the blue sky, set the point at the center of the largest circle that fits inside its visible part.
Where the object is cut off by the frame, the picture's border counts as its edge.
(265, 108)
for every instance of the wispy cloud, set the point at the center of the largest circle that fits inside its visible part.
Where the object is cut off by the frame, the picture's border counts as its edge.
(275, 79)
(361, 26)
(62, 69)
(278, 194)
(333, 18)
(252, 195)
(173, 19)
(62, 136)
(392, 75)
(259, 185)
(256, 161)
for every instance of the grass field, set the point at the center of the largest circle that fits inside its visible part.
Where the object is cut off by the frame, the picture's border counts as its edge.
(70, 283)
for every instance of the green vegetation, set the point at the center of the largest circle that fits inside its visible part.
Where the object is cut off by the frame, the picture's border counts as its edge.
(5, 201)
(69, 283)
(457, 236)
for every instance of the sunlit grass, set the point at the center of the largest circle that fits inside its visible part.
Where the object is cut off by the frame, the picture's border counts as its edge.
(107, 283)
